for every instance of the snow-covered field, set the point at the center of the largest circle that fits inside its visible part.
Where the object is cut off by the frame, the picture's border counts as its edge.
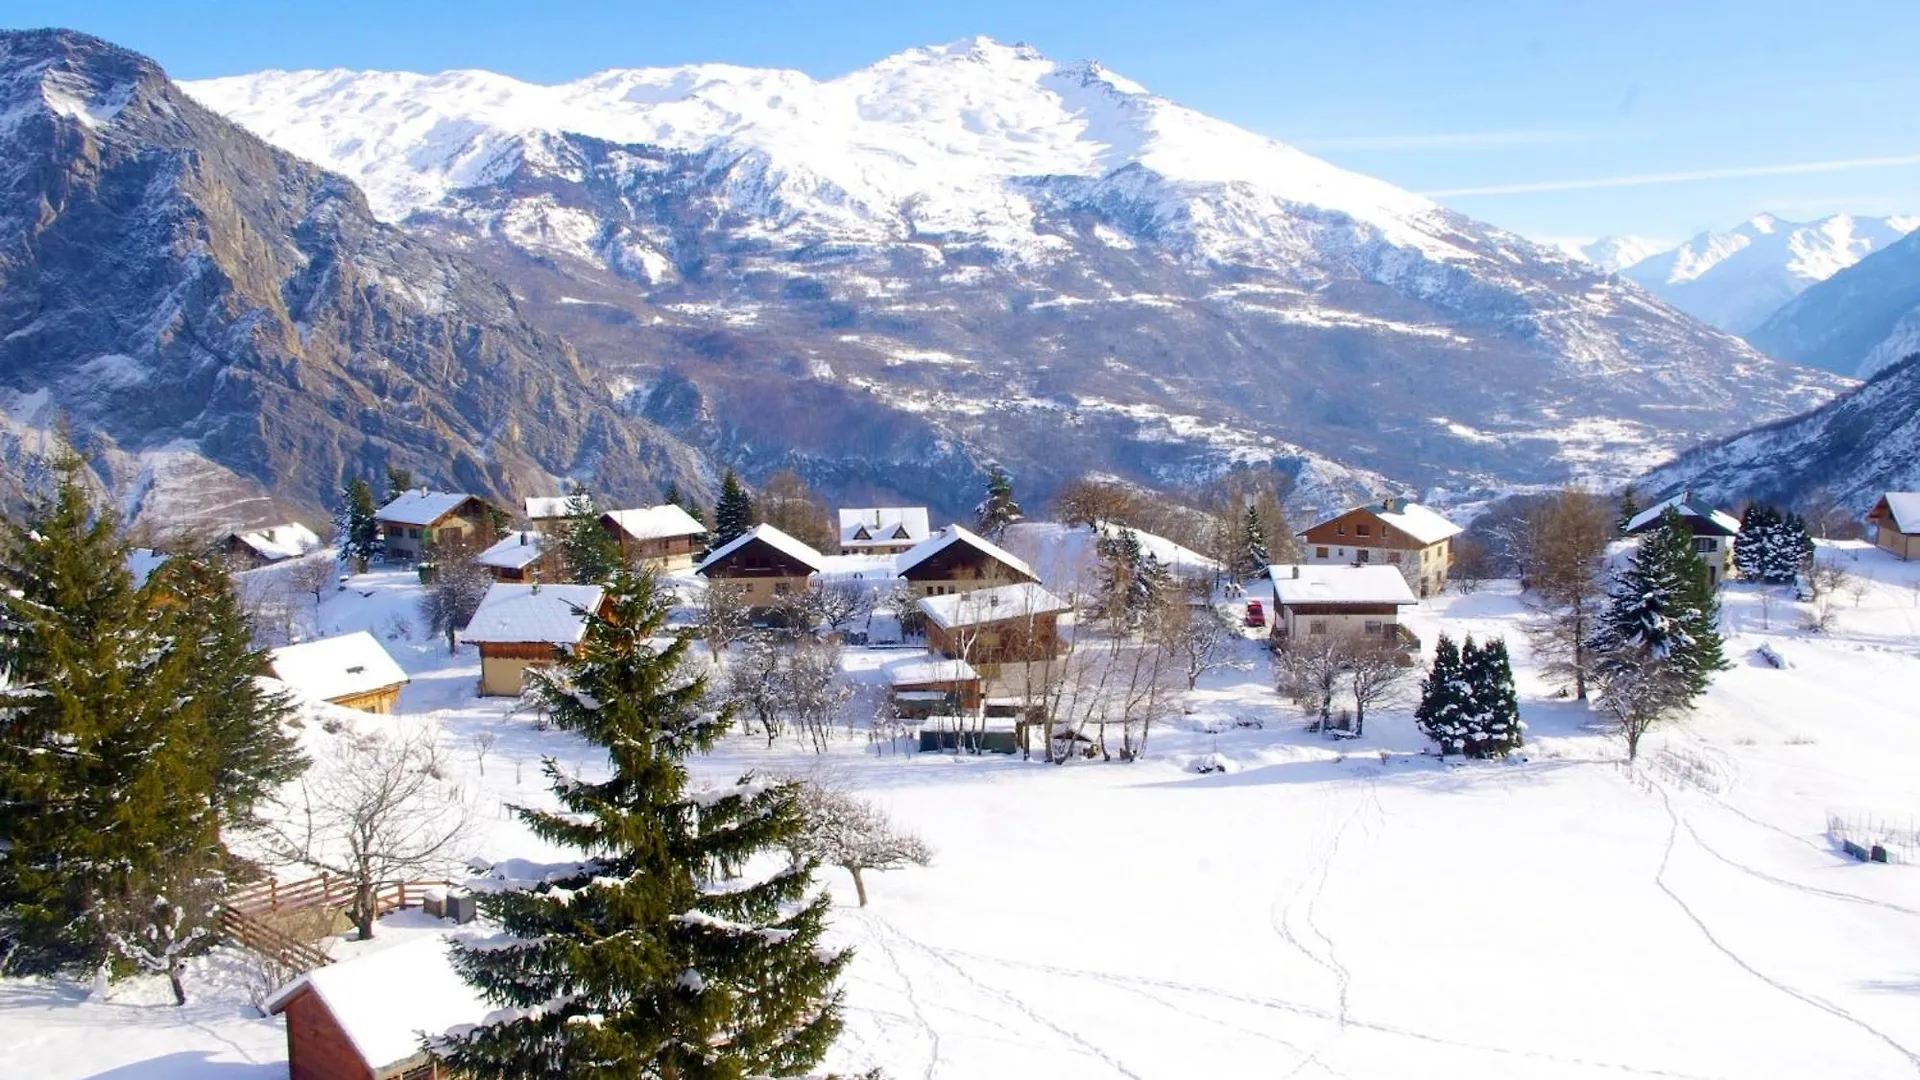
(1352, 909)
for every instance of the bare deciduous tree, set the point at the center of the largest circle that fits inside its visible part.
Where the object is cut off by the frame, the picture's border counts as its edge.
(1307, 668)
(752, 685)
(459, 584)
(723, 616)
(814, 690)
(172, 921)
(1565, 548)
(849, 832)
(1202, 638)
(377, 810)
(314, 575)
(1376, 677)
(840, 603)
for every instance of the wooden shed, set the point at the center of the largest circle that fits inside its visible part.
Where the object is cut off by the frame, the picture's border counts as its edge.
(1896, 524)
(366, 1018)
(351, 670)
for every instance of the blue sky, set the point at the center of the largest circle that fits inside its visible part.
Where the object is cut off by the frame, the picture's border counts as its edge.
(1551, 117)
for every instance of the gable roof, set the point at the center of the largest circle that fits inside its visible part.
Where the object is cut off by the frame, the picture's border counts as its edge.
(517, 550)
(929, 669)
(862, 566)
(998, 604)
(954, 534)
(544, 507)
(772, 537)
(386, 1001)
(655, 522)
(422, 507)
(1687, 506)
(1420, 523)
(1321, 583)
(336, 667)
(883, 526)
(512, 613)
(1904, 506)
(277, 542)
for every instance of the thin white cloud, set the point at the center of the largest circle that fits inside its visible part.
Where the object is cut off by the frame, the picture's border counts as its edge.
(1785, 169)
(1439, 140)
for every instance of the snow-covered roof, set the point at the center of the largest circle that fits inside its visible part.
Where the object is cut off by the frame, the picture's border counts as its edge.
(386, 1001)
(997, 604)
(336, 667)
(954, 534)
(548, 507)
(278, 542)
(422, 507)
(1301, 583)
(773, 538)
(872, 526)
(1905, 508)
(937, 669)
(513, 613)
(1688, 506)
(1422, 524)
(517, 550)
(1170, 554)
(655, 522)
(881, 568)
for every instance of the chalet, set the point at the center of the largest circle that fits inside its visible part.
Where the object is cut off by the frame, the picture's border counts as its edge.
(882, 530)
(661, 538)
(1405, 535)
(352, 671)
(1315, 600)
(1896, 523)
(264, 547)
(926, 686)
(1713, 531)
(522, 555)
(417, 520)
(521, 627)
(548, 511)
(957, 560)
(765, 562)
(367, 1018)
(1004, 624)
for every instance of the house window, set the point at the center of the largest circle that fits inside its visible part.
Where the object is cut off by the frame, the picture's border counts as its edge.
(450, 534)
(1705, 544)
(1393, 556)
(1340, 529)
(1317, 627)
(1373, 627)
(1363, 530)
(781, 588)
(1364, 554)
(1319, 553)
(413, 534)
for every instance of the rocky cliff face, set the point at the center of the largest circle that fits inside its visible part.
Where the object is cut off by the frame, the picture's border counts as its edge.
(217, 320)
(974, 251)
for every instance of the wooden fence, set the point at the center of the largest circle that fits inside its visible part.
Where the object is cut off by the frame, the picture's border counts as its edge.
(245, 915)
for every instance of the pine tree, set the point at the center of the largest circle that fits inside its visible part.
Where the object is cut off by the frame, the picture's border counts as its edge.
(657, 957)
(733, 515)
(1254, 543)
(356, 531)
(998, 510)
(1494, 726)
(1790, 552)
(1446, 698)
(1759, 533)
(1657, 645)
(252, 752)
(105, 774)
(1629, 509)
(590, 553)
(399, 482)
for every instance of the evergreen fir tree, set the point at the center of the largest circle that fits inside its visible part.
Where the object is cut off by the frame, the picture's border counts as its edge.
(656, 958)
(252, 751)
(399, 482)
(105, 774)
(356, 531)
(590, 553)
(998, 510)
(1446, 698)
(671, 496)
(1629, 509)
(1759, 533)
(1254, 543)
(1790, 551)
(1494, 726)
(733, 514)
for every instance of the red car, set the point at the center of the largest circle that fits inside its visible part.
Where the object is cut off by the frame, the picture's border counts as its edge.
(1256, 615)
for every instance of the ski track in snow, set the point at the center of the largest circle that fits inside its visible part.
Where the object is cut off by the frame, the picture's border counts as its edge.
(1660, 881)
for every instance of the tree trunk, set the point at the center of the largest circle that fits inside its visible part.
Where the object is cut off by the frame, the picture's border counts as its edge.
(452, 645)
(859, 884)
(362, 913)
(174, 969)
(1359, 718)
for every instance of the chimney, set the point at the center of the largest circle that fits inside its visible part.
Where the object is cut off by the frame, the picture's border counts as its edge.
(1296, 571)
(523, 539)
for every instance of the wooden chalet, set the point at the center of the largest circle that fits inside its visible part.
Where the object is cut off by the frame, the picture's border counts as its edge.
(417, 520)
(765, 563)
(1713, 531)
(521, 627)
(1405, 535)
(1896, 524)
(352, 671)
(547, 511)
(957, 560)
(882, 530)
(1004, 624)
(366, 1018)
(522, 555)
(924, 687)
(1316, 600)
(661, 538)
(256, 548)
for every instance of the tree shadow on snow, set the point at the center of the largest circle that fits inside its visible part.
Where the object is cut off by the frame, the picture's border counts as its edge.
(192, 1065)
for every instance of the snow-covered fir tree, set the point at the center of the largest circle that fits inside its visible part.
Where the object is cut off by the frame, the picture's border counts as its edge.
(998, 510)
(590, 553)
(733, 514)
(356, 532)
(1253, 544)
(1446, 698)
(661, 955)
(1494, 725)
(1757, 524)
(1773, 546)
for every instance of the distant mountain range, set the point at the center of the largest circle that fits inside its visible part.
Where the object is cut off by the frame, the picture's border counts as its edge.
(1614, 253)
(1857, 322)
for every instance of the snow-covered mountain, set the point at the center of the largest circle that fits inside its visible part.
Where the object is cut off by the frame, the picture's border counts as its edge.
(1738, 278)
(1856, 322)
(1851, 450)
(974, 251)
(1613, 253)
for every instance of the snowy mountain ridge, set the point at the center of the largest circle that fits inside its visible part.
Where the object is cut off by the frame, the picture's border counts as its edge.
(1612, 253)
(1736, 279)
